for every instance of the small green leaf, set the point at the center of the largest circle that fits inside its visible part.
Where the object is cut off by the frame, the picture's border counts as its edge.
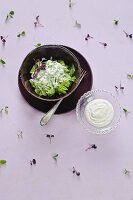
(11, 12)
(23, 33)
(130, 76)
(2, 162)
(38, 45)
(77, 24)
(2, 61)
(126, 111)
(55, 156)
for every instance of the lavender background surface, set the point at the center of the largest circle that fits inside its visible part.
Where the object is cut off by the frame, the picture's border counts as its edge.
(101, 170)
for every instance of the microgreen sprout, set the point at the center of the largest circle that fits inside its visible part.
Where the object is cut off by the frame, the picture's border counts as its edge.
(4, 109)
(103, 43)
(20, 134)
(119, 87)
(3, 39)
(126, 172)
(91, 146)
(77, 24)
(37, 22)
(21, 34)
(55, 156)
(70, 3)
(116, 22)
(128, 35)
(50, 136)
(10, 14)
(33, 162)
(88, 37)
(3, 62)
(75, 171)
(130, 76)
(116, 87)
(2, 162)
(38, 45)
(126, 111)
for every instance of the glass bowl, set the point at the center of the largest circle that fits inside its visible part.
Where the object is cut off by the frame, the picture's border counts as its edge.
(90, 96)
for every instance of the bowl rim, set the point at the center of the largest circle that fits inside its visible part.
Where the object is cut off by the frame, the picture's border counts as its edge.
(52, 46)
(98, 131)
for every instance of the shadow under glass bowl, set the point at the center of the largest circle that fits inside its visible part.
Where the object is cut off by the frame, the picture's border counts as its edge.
(57, 52)
(90, 96)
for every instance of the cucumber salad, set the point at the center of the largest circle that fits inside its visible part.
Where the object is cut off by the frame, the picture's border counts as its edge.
(50, 77)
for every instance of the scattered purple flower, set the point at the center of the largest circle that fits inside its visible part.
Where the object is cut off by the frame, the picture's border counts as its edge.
(37, 22)
(116, 87)
(103, 43)
(3, 39)
(33, 162)
(91, 146)
(50, 136)
(116, 22)
(121, 87)
(88, 37)
(71, 4)
(74, 171)
(128, 35)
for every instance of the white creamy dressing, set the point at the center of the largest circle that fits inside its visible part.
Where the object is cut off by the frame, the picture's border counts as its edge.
(99, 112)
(53, 71)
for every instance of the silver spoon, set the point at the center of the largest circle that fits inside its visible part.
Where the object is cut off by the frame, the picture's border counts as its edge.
(45, 119)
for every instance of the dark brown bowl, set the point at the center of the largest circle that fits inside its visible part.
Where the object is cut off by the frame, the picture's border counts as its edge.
(68, 103)
(57, 52)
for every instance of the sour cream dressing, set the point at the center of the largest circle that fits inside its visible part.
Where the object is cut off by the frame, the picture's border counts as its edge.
(99, 112)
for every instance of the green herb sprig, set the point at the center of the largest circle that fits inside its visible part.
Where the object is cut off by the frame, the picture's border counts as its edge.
(130, 76)
(3, 62)
(55, 156)
(4, 109)
(21, 34)
(10, 14)
(126, 111)
(77, 24)
(2, 162)
(38, 45)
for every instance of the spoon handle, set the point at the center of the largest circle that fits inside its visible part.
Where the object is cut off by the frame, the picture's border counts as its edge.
(45, 119)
